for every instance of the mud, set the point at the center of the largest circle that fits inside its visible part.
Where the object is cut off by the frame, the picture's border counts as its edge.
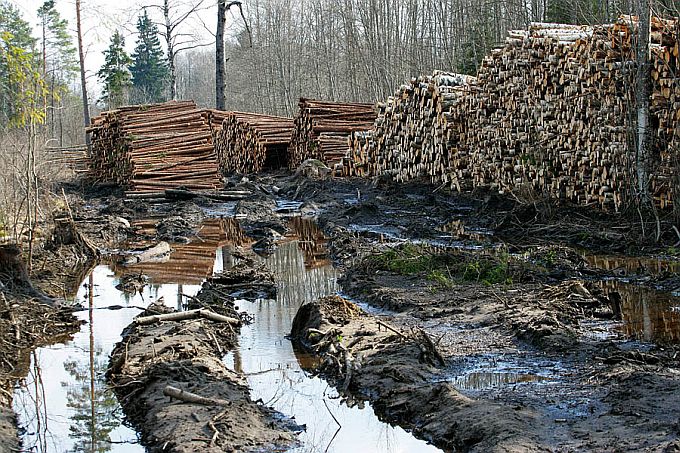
(186, 355)
(523, 328)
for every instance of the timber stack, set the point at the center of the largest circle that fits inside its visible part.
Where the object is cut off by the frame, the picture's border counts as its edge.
(322, 129)
(252, 142)
(411, 137)
(150, 148)
(547, 112)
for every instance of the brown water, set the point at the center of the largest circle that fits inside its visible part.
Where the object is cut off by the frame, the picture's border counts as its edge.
(646, 314)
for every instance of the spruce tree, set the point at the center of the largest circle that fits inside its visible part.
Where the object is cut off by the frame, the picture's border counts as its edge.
(114, 74)
(15, 37)
(149, 67)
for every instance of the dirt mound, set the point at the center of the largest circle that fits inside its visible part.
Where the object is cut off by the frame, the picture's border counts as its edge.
(168, 374)
(395, 370)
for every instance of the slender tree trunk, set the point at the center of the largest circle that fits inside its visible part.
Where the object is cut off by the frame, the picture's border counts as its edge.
(83, 84)
(220, 69)
(642, 95)
(171, 50)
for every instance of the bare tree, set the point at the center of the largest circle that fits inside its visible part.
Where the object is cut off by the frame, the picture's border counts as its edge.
(175, 15)
(83, 84)
(643, 91)
(220, 88)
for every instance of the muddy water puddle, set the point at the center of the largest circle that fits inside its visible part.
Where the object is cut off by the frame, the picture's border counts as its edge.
(646, 314)
(274, 368)
(65, 405)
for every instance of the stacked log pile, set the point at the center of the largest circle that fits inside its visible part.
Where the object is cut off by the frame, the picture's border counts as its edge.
(547, 112)
(251, 142)
(150, 148)
(665, 107)
(413, 132)
(322, 129)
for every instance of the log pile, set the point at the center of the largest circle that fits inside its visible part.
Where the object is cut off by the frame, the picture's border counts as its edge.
(547, 113)
(150, 148)
(323, 127)
(251, 142)
(412, 136)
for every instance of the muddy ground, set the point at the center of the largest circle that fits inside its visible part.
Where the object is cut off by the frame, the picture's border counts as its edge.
(520, 349)
(211, 409)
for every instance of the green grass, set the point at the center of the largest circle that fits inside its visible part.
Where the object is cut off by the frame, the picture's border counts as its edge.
(445, 269)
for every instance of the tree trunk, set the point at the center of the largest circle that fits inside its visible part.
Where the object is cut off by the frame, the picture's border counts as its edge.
(171, 50)
(86, 104)
(220, 69)
(642, 95)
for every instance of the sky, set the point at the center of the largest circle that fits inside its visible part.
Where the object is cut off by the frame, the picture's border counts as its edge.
(102, 17)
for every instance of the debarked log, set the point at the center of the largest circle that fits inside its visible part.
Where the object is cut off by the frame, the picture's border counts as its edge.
(189, 397)
(185, 315)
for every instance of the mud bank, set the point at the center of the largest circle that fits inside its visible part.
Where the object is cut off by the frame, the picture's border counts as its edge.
(527, 365)
(29, 318)
(399, 372)
(173, 386)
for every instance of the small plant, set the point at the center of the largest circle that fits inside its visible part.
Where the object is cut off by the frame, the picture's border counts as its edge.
(440, 278)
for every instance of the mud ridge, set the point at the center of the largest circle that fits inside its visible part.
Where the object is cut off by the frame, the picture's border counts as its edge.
(175, 389)
(395, 371)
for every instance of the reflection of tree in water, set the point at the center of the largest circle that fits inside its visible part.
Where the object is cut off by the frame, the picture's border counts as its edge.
(91, 423)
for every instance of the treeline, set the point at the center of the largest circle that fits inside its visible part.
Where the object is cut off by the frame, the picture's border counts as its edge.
(361, 50)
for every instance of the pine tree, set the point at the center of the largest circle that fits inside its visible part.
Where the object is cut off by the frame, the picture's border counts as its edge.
(114, 74)
(149, 67)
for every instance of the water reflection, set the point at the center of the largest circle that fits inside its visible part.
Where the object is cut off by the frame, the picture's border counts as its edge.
(274, 372)
(481, 380)
(64, 403)
(190, 263)
(632, 265)
(647, 314)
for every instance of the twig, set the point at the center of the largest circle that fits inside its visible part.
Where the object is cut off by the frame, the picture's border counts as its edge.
(380, 323)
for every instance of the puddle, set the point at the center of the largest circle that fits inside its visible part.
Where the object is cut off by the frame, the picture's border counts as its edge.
(64, 403)
(646, 314)
(275, 375)
(481, 380)
(288, 206)
(627, 265)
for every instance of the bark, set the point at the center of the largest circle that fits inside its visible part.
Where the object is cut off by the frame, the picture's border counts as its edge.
(81, 55)
(642, 95)
(220, 95)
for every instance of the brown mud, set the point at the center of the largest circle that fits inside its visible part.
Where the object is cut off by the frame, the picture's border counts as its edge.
(511, 332)
(213, 410)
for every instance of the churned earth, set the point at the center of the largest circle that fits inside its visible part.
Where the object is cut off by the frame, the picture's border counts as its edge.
(480, 322)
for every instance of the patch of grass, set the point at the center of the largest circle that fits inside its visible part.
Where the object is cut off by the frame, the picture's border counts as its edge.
(445, 268)
(440, 278)
(407, 259)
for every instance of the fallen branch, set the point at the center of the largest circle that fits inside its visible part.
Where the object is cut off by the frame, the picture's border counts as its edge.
(193, 398)
(380, 323)
(184, 315)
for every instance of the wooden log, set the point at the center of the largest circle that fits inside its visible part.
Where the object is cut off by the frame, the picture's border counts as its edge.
(203, 313)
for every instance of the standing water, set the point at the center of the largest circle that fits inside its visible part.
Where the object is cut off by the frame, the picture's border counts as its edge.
(274, 370)
(65, 405)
